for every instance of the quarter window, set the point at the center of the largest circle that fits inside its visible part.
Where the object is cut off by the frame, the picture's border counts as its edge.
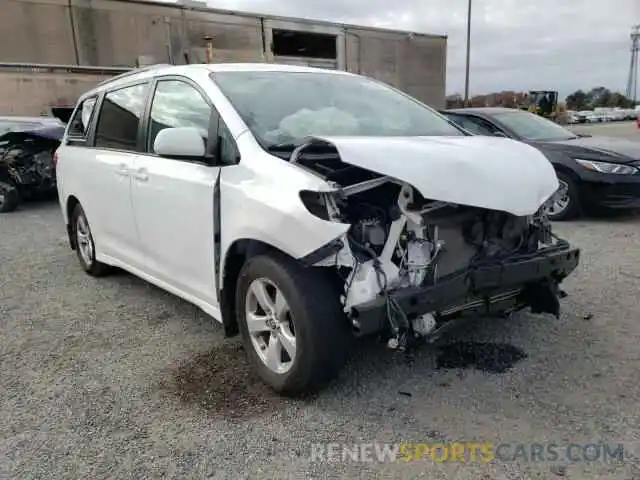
(229, 154)
(119, 118)
(177, 104)
(79, 124)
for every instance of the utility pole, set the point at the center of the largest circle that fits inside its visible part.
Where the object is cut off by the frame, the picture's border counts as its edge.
(167, 25)
(632, 83)
(466, 75)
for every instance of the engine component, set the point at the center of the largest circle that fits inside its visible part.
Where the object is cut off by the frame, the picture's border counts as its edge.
(424, 324)
(415, 242)
(418, 256)
(370, 232)
(368, 280)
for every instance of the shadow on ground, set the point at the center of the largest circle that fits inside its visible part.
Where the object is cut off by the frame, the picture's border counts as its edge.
(609, 215)
(222, 383)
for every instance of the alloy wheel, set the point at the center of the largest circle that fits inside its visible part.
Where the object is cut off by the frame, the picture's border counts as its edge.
(561, 199)
(84, 240)
(270, 325)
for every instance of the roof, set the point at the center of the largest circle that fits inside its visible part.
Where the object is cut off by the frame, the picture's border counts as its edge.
(190, 69)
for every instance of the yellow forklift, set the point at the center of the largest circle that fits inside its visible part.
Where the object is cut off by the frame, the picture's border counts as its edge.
(543, 103)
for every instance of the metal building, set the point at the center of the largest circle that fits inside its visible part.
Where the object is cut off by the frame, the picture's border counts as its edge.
(53, 50)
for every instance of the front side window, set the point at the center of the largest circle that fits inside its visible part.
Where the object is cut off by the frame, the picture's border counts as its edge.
(177, 104)
(280, 107)
(532, 127)
(120, 116)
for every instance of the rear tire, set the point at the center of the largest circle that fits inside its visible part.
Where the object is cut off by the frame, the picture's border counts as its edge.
(85, 246)
(313, 326)
(570, 207)
(9, 198)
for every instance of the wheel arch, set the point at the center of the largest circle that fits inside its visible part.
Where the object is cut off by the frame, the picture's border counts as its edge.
(561, 168)
(578, 188)
(571, 173)
(235, 257)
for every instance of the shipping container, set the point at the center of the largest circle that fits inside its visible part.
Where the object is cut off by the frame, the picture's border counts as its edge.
(107, 35)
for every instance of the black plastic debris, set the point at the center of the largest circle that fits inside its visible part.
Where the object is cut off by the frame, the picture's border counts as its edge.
(487, 357)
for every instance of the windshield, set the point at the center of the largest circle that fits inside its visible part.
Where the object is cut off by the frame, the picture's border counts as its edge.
(529, 126)
(280, 107)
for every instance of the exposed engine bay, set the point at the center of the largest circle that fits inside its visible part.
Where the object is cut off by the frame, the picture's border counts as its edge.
(400, 240)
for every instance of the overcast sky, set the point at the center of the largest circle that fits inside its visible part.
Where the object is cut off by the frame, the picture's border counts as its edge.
(516, 44)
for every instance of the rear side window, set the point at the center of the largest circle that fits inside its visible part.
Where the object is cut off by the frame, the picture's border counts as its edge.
(120, 116)
(79, 123)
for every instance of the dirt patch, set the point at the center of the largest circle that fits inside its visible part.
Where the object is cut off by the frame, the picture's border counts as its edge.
(222, 383)
(487, 357)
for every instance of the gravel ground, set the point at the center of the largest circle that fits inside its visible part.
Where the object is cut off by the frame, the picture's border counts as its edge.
(113, 378)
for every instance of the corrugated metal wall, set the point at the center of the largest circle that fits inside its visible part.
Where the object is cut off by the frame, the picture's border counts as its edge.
(117, 33)
(415, 65)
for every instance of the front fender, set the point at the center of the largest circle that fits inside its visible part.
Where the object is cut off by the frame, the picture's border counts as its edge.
(272, 214)
(283, 224)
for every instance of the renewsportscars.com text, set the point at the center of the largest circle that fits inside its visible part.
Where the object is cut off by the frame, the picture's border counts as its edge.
(468, 452)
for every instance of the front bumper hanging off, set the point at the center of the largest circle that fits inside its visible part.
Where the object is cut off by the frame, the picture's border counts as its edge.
(519, 281)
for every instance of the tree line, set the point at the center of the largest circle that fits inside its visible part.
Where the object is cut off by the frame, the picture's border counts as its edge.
(578, 100)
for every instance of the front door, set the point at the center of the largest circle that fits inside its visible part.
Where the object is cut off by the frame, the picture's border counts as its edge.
(174, 200)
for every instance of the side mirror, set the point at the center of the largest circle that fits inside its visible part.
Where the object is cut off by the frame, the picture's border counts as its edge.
(181, 143)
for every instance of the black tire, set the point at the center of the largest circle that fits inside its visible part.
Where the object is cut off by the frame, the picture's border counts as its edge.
(9, 198)
(574, 207)
(90, 265)
(322, 335)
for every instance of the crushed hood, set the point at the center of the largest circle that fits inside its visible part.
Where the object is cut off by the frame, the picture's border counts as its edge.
(485, 172)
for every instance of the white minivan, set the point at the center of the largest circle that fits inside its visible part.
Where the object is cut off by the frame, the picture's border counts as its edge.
(306, 207)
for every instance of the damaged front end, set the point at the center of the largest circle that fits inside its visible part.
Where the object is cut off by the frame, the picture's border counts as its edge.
(26, 159)
(409, 264)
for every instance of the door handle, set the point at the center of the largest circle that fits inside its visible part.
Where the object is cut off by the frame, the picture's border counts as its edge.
(142, 175)
(123, 170)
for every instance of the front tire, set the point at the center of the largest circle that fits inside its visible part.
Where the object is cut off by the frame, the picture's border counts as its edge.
(85, 246)
(566, 204)
(295, 333)
(9, 198)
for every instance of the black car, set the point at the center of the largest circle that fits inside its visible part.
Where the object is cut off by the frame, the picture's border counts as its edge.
(592, 171)
(27, 170)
